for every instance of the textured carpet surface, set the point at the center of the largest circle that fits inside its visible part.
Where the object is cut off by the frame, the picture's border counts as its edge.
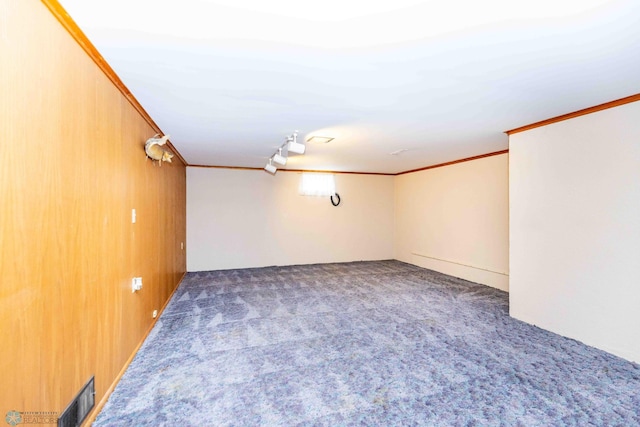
(367, 343)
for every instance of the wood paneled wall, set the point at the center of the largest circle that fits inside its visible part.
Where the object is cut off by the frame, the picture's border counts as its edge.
(72, 166)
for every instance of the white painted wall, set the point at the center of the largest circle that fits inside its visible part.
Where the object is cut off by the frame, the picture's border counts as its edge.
(454, 219)
(245, 218)
(575, 229)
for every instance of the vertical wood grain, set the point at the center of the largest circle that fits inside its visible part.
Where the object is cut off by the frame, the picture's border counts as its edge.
(72, 166)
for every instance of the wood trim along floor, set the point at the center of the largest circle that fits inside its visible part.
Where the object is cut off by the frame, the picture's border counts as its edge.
(94, 414)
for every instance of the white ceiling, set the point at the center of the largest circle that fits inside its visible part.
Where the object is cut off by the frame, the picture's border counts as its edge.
(230, 79)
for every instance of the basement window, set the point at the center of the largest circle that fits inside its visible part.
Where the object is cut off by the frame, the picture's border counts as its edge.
(317, 184)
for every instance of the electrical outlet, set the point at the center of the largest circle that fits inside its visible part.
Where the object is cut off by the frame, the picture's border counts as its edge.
(136, 284)
(155, 314)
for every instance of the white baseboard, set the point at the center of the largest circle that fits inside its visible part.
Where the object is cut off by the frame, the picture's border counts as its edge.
(495, 279)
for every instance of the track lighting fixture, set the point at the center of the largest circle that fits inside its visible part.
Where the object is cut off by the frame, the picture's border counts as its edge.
(291, 145)
(294, 146)
(279, 158)
(270, 167)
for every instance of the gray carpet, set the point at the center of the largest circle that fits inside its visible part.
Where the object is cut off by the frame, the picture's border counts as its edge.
(366, 343)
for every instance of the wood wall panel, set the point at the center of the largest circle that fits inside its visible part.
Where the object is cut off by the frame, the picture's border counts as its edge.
(72, 166)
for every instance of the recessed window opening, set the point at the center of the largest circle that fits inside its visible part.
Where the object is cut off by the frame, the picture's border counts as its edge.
(317, 184)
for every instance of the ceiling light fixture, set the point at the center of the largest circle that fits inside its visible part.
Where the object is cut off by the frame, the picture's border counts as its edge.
(279, 158)
(294, 146)
(291, 145)
(271, 168)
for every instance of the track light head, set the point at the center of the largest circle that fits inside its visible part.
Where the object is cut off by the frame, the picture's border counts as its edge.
(270, 168)
(293, 146)
(296, 147)
(279, 158)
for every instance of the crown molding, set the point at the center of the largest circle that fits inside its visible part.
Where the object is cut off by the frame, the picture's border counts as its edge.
(600, 107)
(78, 35)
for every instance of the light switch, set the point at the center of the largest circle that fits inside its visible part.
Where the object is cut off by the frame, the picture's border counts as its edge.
(136, 284)
(133, 216)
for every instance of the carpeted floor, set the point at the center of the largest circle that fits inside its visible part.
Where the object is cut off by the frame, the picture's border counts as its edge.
(366, 343)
